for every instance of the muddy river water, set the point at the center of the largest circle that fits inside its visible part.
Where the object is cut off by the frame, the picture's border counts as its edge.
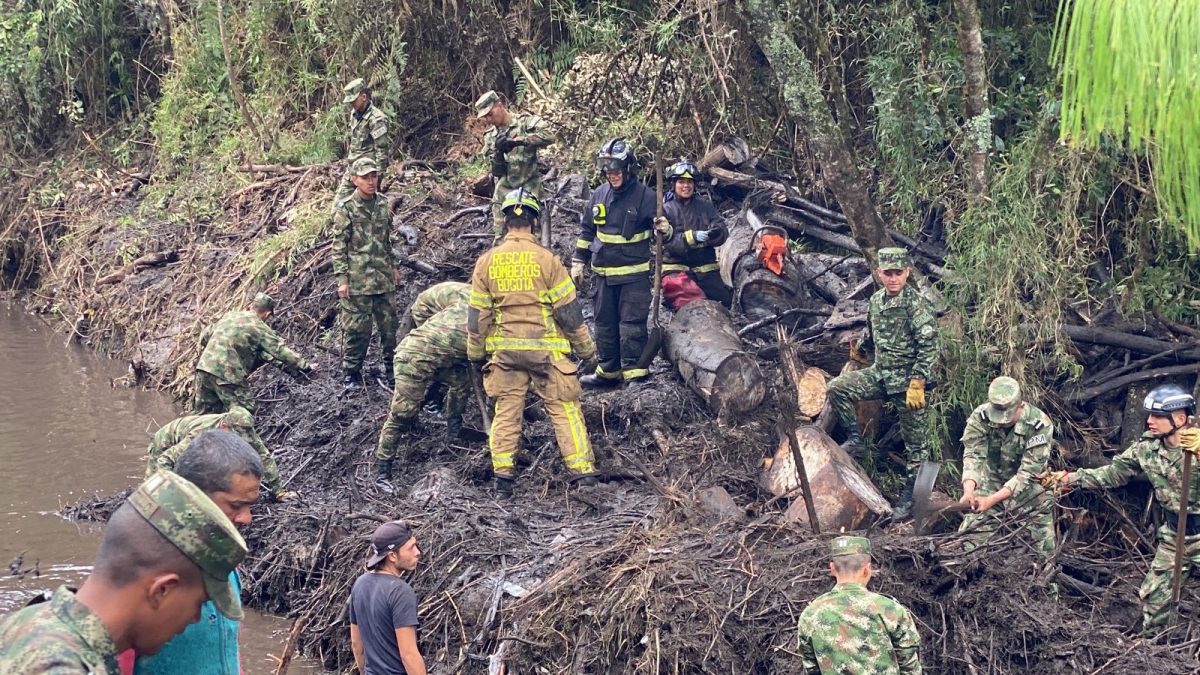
(69, 430)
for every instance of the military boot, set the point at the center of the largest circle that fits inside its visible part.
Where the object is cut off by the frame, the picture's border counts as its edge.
(594, 381)
(854, 445)
(389, 376)
(352, 380)
(587, 480)
(902, 511)
(505, 487)
(454, 428)
(383, 476)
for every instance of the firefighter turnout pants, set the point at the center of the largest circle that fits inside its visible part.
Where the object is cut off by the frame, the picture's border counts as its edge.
(556, 384)
(620, 312)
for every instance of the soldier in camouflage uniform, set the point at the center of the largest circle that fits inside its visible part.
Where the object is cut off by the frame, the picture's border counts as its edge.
(903, 332)
(164, 552)
(435, 350)
(365, 266)
(170, 441)
(368, 136)
(511, 144)
(234, 348)
(1158, 455)
(1005, 445)
(852, 630)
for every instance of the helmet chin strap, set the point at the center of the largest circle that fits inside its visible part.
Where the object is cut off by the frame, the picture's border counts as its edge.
(1174, 427)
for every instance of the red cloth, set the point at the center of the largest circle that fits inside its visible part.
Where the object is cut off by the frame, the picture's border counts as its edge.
(771, 250)
(126, 659)
(679, 289)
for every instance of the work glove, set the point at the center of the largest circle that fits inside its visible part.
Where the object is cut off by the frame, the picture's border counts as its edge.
(588, 365)
(915, 398)
(856, 354)
(1054, 481)
(578, 269)
(282, 495)
(505, 144)
(1189, 438)
(662, 226)
(701, 235)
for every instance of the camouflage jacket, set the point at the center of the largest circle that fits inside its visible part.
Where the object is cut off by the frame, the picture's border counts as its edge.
(369, 136)
(439, 297)
(852, 630)
(903, 332)
(239, 343)
(61, 637)
(522, 160)
(362, 245)
(170, 441)
(1162, 465)
(996, 458)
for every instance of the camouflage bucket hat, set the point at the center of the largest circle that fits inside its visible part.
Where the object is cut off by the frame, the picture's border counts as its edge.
(893, 259)
(484, 105)
(849, 546)
(364, 166)
(195, 525)
(1004, 395)
(352, 90)
(264, 301)
(239, 418)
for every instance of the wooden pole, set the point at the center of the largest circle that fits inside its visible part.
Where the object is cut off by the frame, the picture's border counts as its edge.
(793, 376)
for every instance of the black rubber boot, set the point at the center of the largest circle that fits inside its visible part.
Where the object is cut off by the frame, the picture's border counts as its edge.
(383, 476)
(856, 447)
(586, 481)
(352, 380)
(454, 428)
(389, 377)
(505, 487)
(594, 381)
(902, 511)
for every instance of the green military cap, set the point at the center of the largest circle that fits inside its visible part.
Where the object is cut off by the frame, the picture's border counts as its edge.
(364, 166)
(893, 258)
(1004, 395)
(197, 527)
(239, 418)
(483, 106)
(352, 90)
(849, 546)
(264, 301)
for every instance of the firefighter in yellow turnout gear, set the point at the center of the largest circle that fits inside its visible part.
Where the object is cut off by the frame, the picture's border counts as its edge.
(525, 319)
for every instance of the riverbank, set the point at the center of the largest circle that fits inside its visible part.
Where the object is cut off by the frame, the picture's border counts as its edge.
(635, 576)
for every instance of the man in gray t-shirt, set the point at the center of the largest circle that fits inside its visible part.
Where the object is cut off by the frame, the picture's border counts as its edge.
(383, 607)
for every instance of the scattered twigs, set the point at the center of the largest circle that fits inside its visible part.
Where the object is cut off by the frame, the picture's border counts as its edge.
(470, 210)
(148, 260)
(138, 176)
(250, 167)
(285, 659)
(795, 311)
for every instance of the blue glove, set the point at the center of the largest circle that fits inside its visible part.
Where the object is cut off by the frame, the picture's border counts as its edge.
(701, 235)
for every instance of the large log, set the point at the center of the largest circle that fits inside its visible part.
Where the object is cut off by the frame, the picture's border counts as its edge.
(842, 493)
(758, 292)
(703, 344)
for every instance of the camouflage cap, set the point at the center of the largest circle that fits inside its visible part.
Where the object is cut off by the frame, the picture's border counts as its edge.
(352, 90)
(264, 301)
(1004, 395)
(364, 166)
(239, 418)
(893, 258)
(484, 104)
(197, 527)
(849, 546)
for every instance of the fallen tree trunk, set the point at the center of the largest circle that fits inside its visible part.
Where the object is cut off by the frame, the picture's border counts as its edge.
(148, 260)
(843, 495)
(732, 152)
(1134, 343)
(707, 352)
(278, 168)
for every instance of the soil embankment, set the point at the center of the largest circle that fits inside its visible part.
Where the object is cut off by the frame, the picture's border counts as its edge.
(635, 576)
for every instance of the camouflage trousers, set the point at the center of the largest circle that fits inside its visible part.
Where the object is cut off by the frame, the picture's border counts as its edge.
(418, 365)
(358, 313)
(217, 396)
(864, 385)
(558, 387)
(1156, 587)
(1036, 507)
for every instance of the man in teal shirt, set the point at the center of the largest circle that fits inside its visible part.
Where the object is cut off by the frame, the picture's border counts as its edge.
(227, 469)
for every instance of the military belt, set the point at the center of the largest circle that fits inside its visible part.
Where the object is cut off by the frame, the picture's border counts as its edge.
(1193, 522)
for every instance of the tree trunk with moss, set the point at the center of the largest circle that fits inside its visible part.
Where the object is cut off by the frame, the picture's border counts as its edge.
(807, 105)
(978, 128)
